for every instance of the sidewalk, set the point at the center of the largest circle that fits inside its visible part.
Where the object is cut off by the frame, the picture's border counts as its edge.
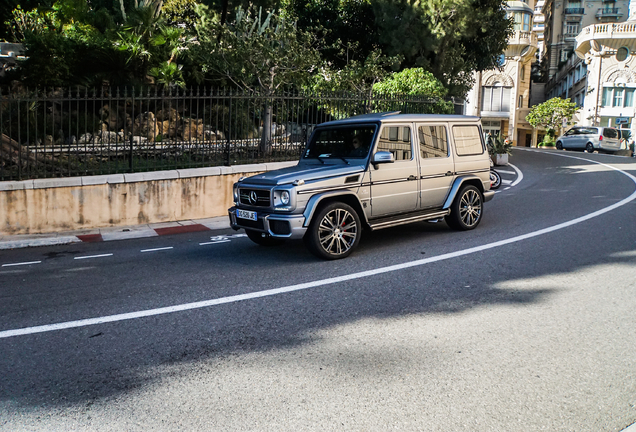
(113, 233)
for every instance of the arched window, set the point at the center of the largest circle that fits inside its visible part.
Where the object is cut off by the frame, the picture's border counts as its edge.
(495, 98)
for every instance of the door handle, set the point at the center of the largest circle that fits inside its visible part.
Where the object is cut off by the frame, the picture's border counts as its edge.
(412, 177)
(449, 173)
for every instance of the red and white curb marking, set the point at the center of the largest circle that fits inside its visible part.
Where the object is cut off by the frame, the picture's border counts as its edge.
(107, 235)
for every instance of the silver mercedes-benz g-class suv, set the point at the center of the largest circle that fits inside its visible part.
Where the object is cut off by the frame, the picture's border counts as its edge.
(371, 171)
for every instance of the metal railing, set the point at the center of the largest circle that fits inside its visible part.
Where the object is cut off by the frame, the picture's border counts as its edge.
(77, 132)
(608, 11)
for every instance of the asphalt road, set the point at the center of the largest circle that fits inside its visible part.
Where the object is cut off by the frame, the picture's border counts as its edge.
(526, 323)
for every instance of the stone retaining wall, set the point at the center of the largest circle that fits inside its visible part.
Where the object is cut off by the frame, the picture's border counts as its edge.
(51, 205)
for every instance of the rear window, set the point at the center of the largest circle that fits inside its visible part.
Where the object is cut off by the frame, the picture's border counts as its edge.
(610, 133)
(467, 140)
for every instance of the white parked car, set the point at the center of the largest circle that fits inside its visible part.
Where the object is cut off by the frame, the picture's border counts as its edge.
(590, 138)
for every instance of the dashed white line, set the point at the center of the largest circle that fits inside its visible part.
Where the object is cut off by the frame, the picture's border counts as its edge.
(93, 256)
(321, 282)
(214, 242)
(157, 249)
(21, 263)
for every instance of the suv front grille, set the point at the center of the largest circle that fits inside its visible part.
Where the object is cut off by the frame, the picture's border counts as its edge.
(254, 197)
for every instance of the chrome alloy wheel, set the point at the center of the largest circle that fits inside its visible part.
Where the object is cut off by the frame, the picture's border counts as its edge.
(470, 207)
(337, 231)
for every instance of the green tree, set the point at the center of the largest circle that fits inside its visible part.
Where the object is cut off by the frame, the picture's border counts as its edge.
(358, 76)
(346, 27)
(552, 115)
(258, 51)
(419, 83)
(71, 43)
(450, 38)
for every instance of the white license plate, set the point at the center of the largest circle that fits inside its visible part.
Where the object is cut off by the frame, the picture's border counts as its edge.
(246, 214)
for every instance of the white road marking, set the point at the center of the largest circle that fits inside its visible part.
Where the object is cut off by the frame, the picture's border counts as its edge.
(322, 282)
(80, 269)
(21, 263)
(506, 182)
(214, 242)
(157, 249)
(93, 256)
(519, 175)
(506, 172)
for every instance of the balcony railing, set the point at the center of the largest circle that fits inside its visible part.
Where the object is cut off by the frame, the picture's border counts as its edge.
(575, 11)
(609, 12)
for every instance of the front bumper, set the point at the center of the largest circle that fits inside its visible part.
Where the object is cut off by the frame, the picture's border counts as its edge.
(276, 225)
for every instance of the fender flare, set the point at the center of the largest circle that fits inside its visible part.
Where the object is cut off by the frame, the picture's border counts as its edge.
(315, 201)
(457, 184)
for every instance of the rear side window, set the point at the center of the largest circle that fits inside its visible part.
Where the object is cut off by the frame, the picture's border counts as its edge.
(610, 133)
(433, 141)
(467, 140)
(589, 131)
(397, 140)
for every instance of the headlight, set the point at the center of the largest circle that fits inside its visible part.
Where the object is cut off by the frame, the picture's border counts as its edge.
(284, 198)
(235, 193)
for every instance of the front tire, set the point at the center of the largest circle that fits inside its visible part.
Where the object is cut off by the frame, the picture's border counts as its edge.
(263, 239)
(589, 148)
(559, 145)
(334, 231)
(466, 210)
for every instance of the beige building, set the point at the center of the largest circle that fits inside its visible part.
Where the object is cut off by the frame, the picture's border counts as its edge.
(609, 52)
(502, 97)
(564, 19)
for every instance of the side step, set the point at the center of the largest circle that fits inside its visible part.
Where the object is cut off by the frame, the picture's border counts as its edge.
(391, 221)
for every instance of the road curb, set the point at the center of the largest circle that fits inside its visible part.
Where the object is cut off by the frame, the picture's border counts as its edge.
(111, 234)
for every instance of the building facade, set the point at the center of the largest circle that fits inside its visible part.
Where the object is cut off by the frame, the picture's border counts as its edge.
(609, 53)
(501, 97)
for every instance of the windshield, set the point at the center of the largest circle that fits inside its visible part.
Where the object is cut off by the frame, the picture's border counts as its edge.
(349, 142)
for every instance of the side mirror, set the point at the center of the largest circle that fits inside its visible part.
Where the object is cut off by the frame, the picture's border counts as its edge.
(382, 157)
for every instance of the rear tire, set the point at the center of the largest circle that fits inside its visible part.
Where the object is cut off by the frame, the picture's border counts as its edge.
(466, 210)
(263, 239)
(334, 231)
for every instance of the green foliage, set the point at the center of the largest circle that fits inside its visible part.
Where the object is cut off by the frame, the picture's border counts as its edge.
(73, 44)
(346, 27)
(499, 145)
(412, 82)
(450, 38)
(356, 76)
(180, 13)
(551, 115)
(416, 82)
(256, 50)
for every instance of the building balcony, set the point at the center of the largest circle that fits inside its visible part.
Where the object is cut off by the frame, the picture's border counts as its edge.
(609, 35)
(609, 13)
(523, 38)
(574, 11)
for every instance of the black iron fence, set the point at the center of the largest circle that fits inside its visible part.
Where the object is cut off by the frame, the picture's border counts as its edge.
(75, 132)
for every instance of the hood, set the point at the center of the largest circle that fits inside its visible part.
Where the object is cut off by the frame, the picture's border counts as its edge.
(302, 172)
